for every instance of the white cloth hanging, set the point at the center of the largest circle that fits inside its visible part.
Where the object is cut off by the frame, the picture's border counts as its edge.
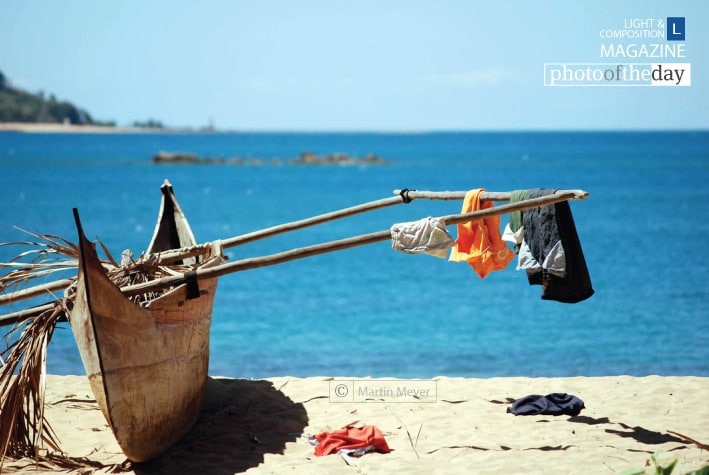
(428, 236)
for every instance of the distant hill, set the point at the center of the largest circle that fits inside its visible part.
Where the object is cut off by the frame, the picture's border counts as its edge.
(17, 105)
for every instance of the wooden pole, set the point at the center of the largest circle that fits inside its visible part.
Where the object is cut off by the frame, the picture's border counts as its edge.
(26, 314)
(35, 291)
(484, 196)
(304, 223)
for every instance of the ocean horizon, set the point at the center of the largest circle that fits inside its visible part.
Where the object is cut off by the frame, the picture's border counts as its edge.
(371, 311)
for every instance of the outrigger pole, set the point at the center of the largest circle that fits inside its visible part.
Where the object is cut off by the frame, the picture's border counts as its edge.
(403, 196)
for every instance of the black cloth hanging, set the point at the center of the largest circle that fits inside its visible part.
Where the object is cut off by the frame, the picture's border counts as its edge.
(543, 227)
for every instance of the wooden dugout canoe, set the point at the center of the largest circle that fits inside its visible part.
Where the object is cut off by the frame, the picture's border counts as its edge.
(147, 366)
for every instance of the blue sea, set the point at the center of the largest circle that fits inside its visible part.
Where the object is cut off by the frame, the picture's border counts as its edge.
(371, 311)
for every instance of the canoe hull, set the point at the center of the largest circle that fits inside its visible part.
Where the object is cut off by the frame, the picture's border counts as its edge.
(147, 366)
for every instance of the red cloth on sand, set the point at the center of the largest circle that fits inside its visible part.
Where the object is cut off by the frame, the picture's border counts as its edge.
(350, 438)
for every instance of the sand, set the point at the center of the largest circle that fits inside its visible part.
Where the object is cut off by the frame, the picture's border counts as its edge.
(55, 128)
(459, 426)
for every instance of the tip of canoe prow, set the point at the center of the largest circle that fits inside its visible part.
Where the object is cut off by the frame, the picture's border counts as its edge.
(580, 194)
(77, 220)
(166, 184)
(79, 227)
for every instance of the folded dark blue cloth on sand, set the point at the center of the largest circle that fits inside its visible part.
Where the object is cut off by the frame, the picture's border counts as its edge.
(555, 404)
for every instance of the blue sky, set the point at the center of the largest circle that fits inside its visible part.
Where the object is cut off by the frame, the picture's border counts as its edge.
(327, 65)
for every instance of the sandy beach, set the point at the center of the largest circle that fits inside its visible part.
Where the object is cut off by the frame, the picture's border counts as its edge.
(56, 128)
(459, 425)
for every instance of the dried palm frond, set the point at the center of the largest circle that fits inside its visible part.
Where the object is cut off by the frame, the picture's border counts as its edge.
(23, 427)
(49, 255)
(54, 463)
(143, 270)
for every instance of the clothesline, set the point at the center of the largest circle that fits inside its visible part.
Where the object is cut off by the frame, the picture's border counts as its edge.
(341, 244)
(402, 196)
(298, 253)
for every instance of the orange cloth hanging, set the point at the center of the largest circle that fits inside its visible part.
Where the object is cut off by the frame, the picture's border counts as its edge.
(479, 242)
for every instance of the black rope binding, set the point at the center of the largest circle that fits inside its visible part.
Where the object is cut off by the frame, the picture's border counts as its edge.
(192, 285)
(405, 195)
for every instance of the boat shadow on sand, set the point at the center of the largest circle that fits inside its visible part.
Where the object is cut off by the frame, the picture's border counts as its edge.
(241, 421)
